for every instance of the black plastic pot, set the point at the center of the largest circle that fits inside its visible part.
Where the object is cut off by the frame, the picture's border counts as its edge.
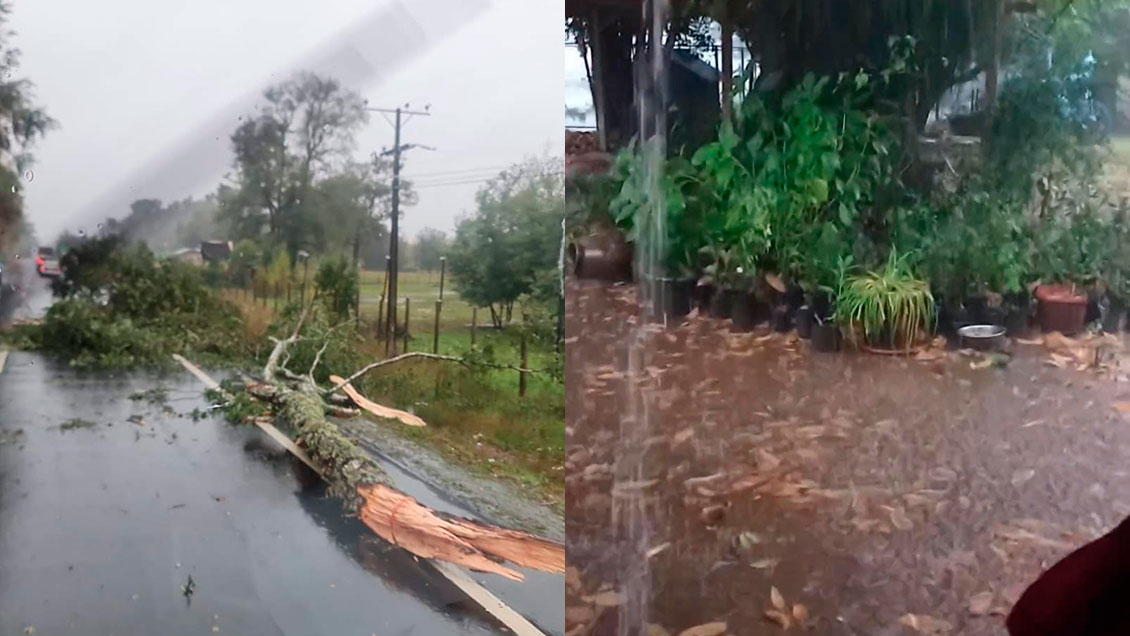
(721, 303)
(1093, 311)
(804, 322)
(743, 310)
(825, 336)
(821, 303)
(1016, 321)
(676, 296)
(1115, 319)
(975, 311)
(993, 316)
(702, 295)
(782, 318)
(794, 297)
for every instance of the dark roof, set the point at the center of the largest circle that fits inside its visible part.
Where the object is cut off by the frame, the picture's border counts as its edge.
(215, 250)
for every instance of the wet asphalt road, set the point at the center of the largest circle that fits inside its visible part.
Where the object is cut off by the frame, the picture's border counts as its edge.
(102, 524)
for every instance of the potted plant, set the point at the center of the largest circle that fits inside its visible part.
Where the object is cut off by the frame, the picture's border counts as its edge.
(1117, 271)
(889, 307)
(724, 274)
(1071, 255)
(826, 332)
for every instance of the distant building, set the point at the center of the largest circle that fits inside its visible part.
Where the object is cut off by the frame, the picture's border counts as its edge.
(215, 251)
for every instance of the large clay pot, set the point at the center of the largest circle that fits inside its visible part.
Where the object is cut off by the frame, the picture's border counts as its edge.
(603, 255)
(1061, 308)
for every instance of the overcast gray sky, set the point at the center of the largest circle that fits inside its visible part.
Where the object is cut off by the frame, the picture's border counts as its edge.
(147, 91)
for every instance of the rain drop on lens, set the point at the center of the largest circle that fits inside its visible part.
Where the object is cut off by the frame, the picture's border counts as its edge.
(29, 176)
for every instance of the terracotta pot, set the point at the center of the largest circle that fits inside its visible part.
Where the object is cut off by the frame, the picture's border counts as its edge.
(1061, 308)
(601, 256)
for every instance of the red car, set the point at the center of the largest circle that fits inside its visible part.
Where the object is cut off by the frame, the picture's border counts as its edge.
(46, 263)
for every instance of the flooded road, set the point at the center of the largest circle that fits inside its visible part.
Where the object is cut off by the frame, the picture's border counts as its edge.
(876, 495)
(108, 504)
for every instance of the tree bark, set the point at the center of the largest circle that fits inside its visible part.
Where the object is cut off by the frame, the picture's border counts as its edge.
(394, 516)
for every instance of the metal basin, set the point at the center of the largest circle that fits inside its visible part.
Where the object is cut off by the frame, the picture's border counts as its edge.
(981, 336)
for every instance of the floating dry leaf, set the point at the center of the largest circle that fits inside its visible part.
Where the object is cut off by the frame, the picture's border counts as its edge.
(610, 598)
(924, 624)
(780, 618)
(658, 549)
(899, 519)
(800, 614)
(764, 564)
(682, 436)
(767, 460)
(657, 630)
(980, 603)
(1032, 423)
(1122, 407)
(747, 539)
(706, 629)
(776, 598)
(1022, 476)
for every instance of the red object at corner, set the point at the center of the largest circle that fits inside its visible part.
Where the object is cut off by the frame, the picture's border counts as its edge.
(1086, 594)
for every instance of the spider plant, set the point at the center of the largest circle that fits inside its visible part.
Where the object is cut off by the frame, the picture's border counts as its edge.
(889, 305)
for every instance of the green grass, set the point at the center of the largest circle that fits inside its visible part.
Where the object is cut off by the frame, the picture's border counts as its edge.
(422, 289)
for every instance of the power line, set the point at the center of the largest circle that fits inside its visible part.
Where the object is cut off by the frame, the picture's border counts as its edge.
(439, 172)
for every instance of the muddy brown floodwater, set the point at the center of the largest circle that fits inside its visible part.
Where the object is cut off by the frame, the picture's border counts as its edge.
(876, 495)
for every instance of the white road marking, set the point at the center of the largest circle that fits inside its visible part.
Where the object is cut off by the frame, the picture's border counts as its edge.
(491, 603)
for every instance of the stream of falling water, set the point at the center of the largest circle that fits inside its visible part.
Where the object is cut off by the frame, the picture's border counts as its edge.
(636, 515)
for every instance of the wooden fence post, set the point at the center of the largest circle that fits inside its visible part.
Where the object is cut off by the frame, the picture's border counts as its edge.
(525, 365)
(435, 335)
(474, 318)
(407, 307)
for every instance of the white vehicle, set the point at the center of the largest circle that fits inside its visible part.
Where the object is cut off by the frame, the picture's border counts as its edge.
(46, 263)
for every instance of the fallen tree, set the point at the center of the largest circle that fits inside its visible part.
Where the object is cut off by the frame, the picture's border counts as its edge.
(300, 406)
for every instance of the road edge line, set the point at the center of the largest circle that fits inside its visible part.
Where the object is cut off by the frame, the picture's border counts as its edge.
(493, 605)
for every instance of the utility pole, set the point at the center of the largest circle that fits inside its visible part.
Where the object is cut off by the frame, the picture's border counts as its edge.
(394, 229)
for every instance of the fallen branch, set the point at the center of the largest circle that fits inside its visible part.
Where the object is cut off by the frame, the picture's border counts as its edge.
(398, 518)
(427, 356)
(377, 409)
(363, 487)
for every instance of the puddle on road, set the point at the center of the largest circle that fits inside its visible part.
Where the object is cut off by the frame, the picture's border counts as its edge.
(101, 526)
(863, 488)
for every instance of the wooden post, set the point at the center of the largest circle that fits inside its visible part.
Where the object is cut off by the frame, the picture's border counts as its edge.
(442, 271)
(435, 334)
(727, 65)
(474, 317)
(276, 295)
(380, 317)
(522, 373)
(598, 80)
(288, 286)
(407, 307)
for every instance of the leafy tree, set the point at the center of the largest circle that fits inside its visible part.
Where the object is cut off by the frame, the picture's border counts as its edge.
(431, 245)
(499, 251)
(23, 123)
(300, 136)
(337, 286)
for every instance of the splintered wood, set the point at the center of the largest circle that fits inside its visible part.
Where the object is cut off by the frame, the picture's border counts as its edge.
(377, 409)
(401, 520)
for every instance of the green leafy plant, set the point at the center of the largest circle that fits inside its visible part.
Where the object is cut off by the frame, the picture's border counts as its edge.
(891, 305)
